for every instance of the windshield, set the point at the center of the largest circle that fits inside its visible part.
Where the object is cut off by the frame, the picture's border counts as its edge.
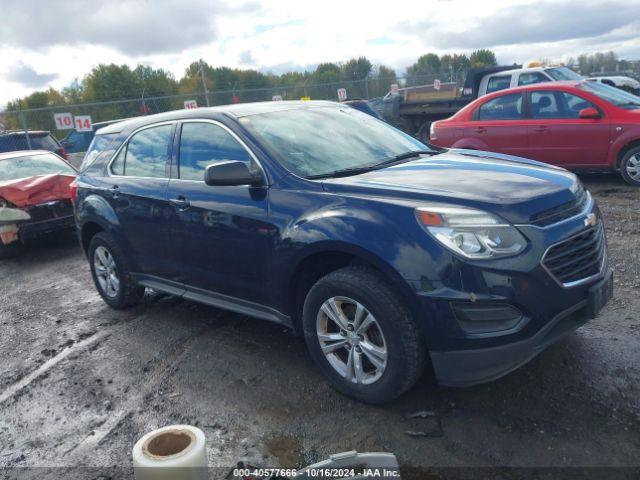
(613, 95)
(317, 141)
(563, 73)
(31, 165)
(97, 146)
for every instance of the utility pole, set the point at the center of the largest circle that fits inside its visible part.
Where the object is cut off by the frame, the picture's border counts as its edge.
(204, 83)
(366, 86)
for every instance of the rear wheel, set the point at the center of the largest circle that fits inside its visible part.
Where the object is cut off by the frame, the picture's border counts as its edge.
(111, 273)
(359, 332)
(630, 167)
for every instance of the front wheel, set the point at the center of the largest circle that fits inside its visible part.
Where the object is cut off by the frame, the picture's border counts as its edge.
(630, 167)
(111, 274)
(360, 334)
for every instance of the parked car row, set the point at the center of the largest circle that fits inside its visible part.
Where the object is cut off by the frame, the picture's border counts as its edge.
(385, 253)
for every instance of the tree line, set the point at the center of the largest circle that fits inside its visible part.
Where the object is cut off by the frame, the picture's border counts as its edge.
(150, 90)
(107, 82)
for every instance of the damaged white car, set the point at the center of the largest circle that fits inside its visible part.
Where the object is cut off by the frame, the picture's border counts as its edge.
(35, 197)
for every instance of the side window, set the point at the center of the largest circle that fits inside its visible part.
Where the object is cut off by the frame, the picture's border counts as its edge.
(506, 107)
(202, 144)
(499, 82)
(532, 77)
(545, 105)
(574, 104)
(145, 154)
(554, 104)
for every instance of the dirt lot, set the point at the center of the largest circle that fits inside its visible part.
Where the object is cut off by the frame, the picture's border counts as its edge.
(79, 382)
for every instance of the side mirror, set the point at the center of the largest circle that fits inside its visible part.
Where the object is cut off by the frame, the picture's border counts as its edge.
(231, 173)
(589, 112)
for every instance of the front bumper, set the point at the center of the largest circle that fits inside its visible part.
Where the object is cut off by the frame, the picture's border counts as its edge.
(30, 230)
(474, 366)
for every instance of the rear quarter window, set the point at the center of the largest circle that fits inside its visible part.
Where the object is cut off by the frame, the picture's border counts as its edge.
(499, 82)
(99, 144)
(44, 142)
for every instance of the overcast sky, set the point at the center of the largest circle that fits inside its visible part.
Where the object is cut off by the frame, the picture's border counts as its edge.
(47, 43)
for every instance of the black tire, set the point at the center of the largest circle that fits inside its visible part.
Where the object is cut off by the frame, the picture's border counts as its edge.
(631, 156)
(128, 292)
(405, 348)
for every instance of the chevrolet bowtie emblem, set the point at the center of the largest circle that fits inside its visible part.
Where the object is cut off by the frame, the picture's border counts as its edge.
(590, 220)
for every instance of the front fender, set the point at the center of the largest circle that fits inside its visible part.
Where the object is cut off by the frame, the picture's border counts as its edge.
(386, 236)
(618, 144)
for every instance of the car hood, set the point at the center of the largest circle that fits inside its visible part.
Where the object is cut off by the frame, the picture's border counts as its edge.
(512, 187)
(35, 190)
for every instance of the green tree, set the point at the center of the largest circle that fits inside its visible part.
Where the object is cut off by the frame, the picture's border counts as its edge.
(482, 58)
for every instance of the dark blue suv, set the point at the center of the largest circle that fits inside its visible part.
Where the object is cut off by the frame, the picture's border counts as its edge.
(387, 254)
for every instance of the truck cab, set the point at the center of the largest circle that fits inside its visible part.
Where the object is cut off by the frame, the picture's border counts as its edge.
(525, 76)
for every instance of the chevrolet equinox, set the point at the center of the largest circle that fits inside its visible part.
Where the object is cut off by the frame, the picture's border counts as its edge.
(386, 254)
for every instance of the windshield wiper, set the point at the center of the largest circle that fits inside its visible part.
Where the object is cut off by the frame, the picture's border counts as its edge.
(346, 172)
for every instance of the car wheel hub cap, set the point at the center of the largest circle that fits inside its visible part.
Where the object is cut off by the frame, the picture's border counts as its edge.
(351, 340)
(633, 167)
(106, 271)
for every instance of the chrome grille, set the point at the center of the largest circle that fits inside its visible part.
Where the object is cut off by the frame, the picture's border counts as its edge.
(578, 257)
(562, 212)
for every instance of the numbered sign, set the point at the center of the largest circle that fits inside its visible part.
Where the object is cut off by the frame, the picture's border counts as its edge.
(190, 104)
(342, 94)
(436, 84)
(277, 98)
(63, 121)
(83, 123)
(394, 89)
(305, 98)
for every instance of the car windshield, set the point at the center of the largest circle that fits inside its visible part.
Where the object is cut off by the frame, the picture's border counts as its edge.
(98, 145)
(312, 142)
(31, 165)
(562, 73)
(613, 95)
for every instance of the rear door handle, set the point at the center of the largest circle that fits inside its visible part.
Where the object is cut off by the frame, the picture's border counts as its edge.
(479, 129)
(180, 203)
(114, 191)
(541, 128)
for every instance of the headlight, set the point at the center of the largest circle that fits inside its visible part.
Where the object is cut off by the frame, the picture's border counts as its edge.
(471, 233)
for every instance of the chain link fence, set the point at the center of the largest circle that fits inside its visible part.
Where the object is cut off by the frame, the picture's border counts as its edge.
(38, 128)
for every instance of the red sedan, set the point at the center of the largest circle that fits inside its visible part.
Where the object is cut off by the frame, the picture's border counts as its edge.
(577, 125)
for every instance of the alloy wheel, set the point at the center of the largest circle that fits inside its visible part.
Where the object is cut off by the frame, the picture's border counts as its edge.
(633, 167)
(351, 340)
(106, 271)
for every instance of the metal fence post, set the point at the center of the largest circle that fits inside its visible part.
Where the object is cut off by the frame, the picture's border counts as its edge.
(366, 87)
(204, 83)
(23, 121)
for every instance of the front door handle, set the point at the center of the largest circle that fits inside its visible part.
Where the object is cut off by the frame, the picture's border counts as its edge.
(180, 203)
(541, 128)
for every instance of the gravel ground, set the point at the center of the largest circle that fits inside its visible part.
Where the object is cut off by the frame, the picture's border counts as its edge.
(80, 383)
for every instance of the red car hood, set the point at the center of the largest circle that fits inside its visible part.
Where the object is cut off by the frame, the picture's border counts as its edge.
(29, 191)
